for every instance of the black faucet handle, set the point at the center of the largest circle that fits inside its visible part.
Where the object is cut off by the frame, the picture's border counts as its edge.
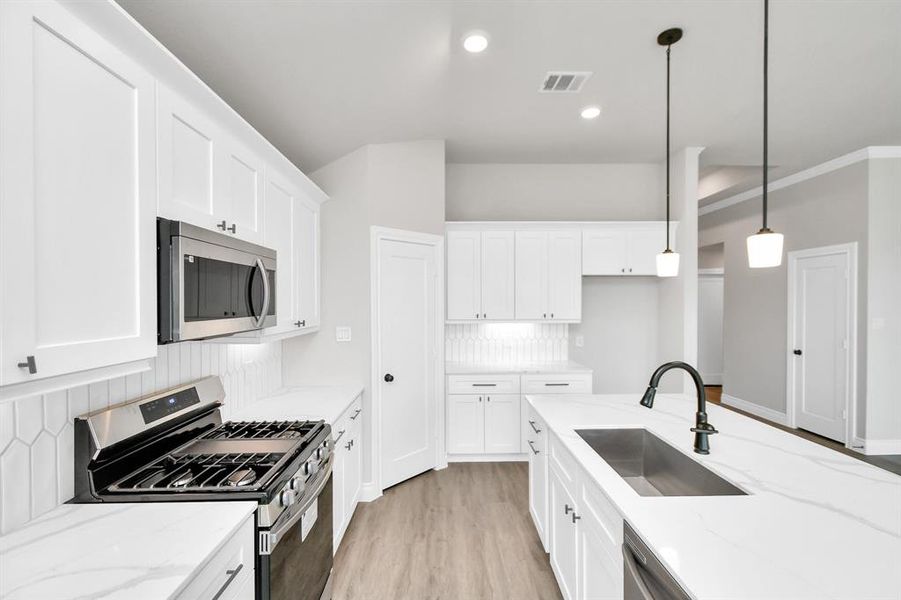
(704, 428)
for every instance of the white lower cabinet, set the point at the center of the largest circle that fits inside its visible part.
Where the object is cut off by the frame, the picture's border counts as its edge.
(536, 442)
(584, 530)
(229, 574)
(483, 424)
(347, 473)
(502, 424)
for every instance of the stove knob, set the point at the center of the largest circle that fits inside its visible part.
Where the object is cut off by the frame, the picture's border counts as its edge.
(311, 467)
(287, 498)
(296, 484)
(320, 451)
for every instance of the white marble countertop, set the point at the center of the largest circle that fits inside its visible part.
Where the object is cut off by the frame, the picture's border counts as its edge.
(302, 402)
(561, 366)
(816, 524)
(115, 551)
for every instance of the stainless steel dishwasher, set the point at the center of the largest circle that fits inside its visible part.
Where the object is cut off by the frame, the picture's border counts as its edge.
(644, 577)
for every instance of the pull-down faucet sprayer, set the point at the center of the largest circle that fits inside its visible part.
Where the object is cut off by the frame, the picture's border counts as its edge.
(702, 428)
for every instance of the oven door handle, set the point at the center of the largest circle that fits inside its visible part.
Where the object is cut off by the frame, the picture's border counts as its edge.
(269, 539)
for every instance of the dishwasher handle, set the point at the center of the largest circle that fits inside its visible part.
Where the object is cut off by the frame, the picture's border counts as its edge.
(632, 574)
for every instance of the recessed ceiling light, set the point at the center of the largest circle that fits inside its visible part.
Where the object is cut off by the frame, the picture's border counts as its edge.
(475, 42)
(591, 112)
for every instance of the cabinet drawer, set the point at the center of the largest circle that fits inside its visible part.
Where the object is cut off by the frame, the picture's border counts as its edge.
(534, 432)
(602, 510)
(483, 384)
(564, 462)
(348, 425)
(227, 571)
(564, 383)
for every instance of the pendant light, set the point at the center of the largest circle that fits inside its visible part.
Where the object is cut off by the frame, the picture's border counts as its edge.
(765, 246)
(668, 261)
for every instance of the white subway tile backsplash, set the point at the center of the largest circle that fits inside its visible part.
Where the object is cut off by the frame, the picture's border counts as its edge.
(506, 343)
(37, 436)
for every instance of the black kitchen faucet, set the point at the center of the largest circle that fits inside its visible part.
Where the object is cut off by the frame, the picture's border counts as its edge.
(702, 428)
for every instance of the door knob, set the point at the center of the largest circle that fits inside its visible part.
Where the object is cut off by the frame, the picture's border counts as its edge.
(797, 352)
(389, 377)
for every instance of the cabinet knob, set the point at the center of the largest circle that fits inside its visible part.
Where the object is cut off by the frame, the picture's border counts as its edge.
(29, 364)
(348, 445)
(477, 315)
(484, 316)
(796, 352)
(222, 225)
(568, 509)
(576, 517)
(300, 323)
(233, 228)
(552, 315)
(623, 270)
(389, 377)
(630, 269)
(544, 315)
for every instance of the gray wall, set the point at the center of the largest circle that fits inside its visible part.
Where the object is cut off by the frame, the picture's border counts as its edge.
(548, 192)
(883, 302)
(712, 256)
(830, 209)
(391, 185)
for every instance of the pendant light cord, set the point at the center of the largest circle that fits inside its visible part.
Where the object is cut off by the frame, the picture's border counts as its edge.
(667, 147)
(766, 21)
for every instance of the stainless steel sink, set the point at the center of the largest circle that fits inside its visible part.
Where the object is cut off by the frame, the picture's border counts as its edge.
(654, 468)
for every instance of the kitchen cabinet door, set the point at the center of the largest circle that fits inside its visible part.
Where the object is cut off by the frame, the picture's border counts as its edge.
(190, 184)
(307, 264)
(353, 477)
(604, 251)
(502, 424)
(77, 198)
(564, 275)
(536, 445)
(465, 424)
(564, 541)
(644, 246)
(243, 192)
(600, 569)
(464, 275)
(339, 483)
(497, 266)
(531, 275)
(279, 234)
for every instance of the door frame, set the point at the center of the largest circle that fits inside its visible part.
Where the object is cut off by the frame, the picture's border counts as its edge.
(850, 250)
(377, 235)
(711, 273)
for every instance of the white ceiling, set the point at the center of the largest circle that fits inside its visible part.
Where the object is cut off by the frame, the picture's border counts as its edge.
(321, 78)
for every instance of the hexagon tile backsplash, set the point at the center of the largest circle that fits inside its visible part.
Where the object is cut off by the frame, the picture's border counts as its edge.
(36, 432)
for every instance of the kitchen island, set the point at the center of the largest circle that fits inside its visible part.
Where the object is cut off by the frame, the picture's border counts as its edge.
(814, 523)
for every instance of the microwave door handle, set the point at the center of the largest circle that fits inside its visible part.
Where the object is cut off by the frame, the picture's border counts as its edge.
(266, 292)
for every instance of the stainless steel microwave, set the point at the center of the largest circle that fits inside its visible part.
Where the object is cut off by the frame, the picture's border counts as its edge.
(211, 284)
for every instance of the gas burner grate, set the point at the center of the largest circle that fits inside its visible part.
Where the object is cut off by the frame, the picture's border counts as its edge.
(271, 430)
(194, 472)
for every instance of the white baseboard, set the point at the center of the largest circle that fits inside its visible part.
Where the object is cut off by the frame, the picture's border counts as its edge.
(879, 447)
(755, 409)
(461, 458)
(369, 492)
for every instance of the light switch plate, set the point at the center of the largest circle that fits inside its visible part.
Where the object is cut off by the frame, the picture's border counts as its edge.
(342, 334)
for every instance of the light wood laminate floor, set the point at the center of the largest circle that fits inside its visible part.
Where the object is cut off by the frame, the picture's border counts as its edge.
(462, 533)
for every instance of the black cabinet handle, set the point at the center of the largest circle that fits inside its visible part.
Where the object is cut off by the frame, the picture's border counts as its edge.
(29, 364)
(222, 225)
(233, 228)
(389, 377)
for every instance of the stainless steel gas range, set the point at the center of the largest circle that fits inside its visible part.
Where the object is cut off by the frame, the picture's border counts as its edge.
(173, 446)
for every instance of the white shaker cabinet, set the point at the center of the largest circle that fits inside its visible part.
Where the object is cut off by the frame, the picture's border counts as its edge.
(502, 423)
(563, 539)
(77, 198)
(278, 234)
(205, 177)
(306, 265)
(549, 275)
(480, 269)
(624, 248)
(465, 424)
(536, 443)
(347, 474)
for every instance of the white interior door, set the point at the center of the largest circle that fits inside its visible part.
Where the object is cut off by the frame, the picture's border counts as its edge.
(710, 328)
(821, 348)
(406, 355)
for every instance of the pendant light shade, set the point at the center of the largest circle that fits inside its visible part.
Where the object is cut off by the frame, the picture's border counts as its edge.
(764, 249)
(765, 246)
(668, 261)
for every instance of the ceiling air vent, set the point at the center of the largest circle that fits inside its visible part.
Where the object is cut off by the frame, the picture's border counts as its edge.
(564, 81)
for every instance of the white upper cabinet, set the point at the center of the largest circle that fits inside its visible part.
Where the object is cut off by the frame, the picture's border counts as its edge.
(549, 275)
(480, 280)
(464, 275)
(77, 198)
(206, 177)
(531, 275)
(624, 248)
(306, 265)
(497, 274)
(278, 234)
(565, 275)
